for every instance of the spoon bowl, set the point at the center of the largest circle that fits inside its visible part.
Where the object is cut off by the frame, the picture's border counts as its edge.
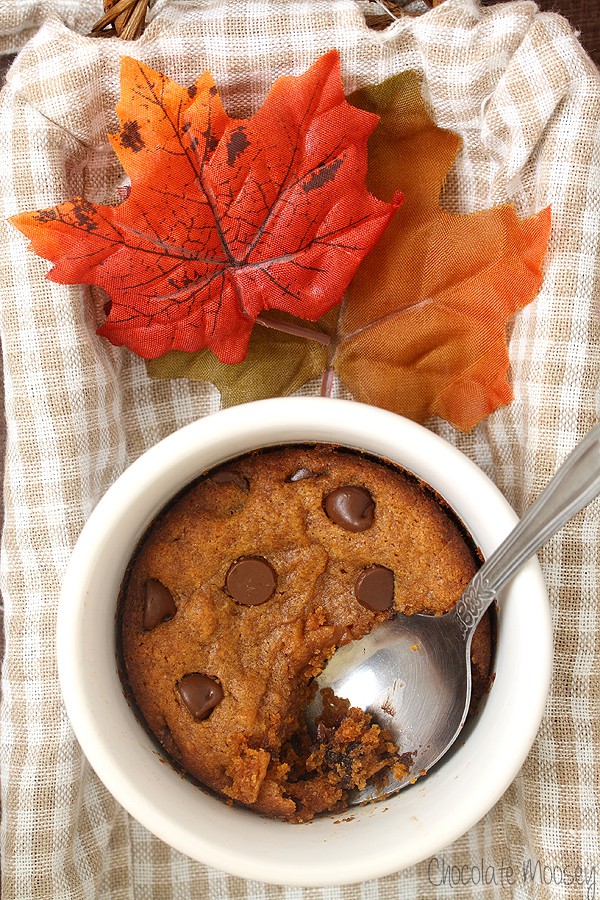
(409, 674)
(413, 673)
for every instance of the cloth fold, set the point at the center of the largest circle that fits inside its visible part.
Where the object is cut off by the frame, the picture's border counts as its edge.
(515, 84)
(21, 19)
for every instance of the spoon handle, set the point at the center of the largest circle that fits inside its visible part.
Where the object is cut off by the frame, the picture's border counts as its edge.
(575, 484)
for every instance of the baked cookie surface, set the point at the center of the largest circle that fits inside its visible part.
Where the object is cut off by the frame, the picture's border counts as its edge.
(243, 588)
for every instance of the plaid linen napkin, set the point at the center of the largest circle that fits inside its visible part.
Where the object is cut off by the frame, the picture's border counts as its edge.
(517, 87)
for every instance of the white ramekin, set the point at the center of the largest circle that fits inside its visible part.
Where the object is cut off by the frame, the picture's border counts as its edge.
(374, 840)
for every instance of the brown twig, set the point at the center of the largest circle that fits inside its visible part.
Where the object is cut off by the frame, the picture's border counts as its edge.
(124, 18)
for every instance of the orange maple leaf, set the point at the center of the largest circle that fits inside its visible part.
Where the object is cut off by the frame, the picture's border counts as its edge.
(225, 217)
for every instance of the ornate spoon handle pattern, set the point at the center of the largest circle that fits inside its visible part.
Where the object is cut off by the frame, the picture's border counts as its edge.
(473, 603)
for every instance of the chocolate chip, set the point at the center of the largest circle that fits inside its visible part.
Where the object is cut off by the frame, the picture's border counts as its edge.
(159, 605)
(200, 693)
(251, 580)
(350, 507)
(374, 588)
(230, 476)
(301, 474)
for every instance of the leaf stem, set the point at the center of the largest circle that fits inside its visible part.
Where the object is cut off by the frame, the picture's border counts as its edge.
(327, 382)
(310, 334)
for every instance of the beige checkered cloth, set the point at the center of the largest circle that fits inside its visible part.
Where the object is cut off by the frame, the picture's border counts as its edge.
(515, 84)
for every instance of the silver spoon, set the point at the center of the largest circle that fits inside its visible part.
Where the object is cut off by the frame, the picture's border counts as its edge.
(413, 673)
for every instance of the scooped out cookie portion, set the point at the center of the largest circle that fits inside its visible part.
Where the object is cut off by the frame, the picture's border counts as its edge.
(244, 587)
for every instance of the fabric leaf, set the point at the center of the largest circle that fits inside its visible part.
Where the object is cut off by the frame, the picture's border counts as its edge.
(422, 329)
(225, 217)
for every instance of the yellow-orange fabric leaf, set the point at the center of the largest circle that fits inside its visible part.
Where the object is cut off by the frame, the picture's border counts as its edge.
(422, 328)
